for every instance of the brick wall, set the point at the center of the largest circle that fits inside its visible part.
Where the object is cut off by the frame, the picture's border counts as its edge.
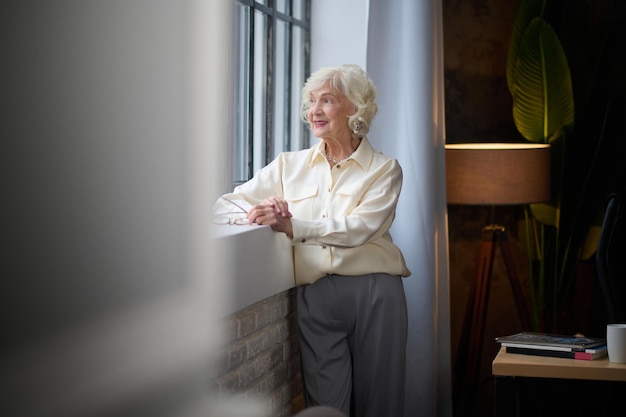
(260, 357)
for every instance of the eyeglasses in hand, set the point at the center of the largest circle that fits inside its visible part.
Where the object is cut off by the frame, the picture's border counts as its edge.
(226, 218)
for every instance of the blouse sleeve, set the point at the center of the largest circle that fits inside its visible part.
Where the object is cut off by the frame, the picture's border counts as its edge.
(263, 185)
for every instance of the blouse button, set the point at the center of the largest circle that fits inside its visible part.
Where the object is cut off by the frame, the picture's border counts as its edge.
(303, 240)
(338, 166)
(324, 247)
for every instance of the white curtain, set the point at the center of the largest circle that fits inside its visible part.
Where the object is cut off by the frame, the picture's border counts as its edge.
(405, 60)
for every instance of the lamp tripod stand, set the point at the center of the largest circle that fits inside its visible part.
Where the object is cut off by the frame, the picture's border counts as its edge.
(467, 365)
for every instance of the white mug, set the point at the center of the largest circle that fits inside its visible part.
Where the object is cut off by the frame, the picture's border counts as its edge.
(616, 342)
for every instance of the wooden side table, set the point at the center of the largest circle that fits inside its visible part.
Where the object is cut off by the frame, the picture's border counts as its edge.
(544, 386)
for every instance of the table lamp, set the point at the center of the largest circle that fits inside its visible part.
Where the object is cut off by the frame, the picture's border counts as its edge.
(491, 174)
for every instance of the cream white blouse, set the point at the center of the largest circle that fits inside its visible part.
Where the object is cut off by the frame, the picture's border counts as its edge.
(341, 215)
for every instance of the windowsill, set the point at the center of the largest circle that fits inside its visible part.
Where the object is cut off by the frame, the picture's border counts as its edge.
(261, 265)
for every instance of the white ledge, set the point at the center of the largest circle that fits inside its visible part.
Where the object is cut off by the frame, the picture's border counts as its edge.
(261, 264)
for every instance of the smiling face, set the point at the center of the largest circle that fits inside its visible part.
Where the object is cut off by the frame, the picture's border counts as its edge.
(328, 114)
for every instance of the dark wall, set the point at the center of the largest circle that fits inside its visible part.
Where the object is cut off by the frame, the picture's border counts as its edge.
(476, 40)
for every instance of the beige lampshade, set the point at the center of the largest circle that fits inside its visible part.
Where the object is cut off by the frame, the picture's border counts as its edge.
(497, 173)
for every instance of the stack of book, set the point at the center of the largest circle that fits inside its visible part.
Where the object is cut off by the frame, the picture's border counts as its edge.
(542, 344)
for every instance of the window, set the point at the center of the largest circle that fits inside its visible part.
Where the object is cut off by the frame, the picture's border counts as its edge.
(272, 59)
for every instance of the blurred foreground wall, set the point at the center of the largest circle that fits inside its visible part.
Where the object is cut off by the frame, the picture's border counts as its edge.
(111, 116)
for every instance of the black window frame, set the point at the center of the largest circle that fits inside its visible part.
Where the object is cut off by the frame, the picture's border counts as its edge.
(250, 153)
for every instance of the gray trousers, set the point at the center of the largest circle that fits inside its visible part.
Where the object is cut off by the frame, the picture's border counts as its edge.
(353, 332)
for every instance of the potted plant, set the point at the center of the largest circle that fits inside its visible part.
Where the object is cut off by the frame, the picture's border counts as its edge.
(543, 92)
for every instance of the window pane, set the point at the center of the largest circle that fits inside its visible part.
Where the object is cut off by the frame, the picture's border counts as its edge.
(242, 114)
(272, 61)
(260, 91)
(281, 91)
(281, 6)
(299, 9)
(299, 131)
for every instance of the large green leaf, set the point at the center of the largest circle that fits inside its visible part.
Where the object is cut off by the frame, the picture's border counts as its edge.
(526, 11)
(545, 213)
(543, 100)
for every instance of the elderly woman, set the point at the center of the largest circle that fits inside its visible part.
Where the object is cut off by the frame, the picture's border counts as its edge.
(336, 202)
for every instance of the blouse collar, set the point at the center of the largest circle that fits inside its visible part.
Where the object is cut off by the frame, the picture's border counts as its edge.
(362, 155)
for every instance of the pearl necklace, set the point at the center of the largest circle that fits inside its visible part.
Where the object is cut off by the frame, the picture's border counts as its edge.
(334, 161)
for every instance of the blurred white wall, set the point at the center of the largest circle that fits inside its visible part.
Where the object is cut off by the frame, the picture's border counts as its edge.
(112, 118)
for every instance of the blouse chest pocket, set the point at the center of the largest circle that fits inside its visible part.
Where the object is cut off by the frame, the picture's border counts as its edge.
(347, 198)
(300, 198)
